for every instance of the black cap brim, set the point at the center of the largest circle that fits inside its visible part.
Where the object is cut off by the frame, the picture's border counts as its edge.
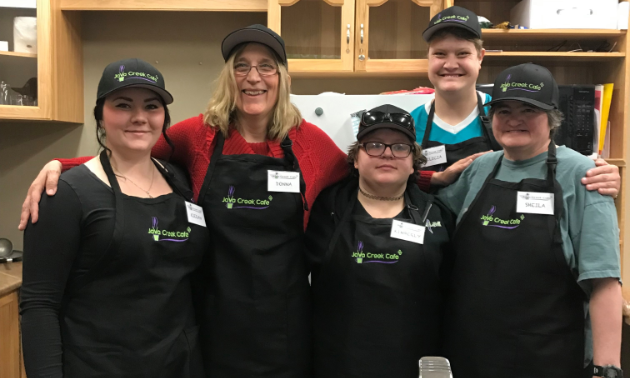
(166, 96)
(428, 33)
(529, 101)
(251, 35)
(386, 125)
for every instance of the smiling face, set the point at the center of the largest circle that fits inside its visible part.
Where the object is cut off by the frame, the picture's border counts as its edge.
(133, 119)
(521, 129)
(454, 63)
(257, 95)
(384, 170)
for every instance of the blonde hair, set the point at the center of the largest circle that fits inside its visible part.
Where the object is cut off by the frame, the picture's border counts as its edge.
(221, 110)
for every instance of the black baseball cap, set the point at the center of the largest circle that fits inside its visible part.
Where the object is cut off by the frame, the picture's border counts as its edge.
(528, 83)
(254, 33)
(134, 72)
(387, 117)
(453, 17)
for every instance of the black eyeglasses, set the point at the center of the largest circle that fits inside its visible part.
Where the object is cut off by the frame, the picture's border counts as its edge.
(264, 69)
(376, 149)
(376, 117)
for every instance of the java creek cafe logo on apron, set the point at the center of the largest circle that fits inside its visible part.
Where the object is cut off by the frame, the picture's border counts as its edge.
(491, 221)
(165, 235)
(380, 258)
(232, 202)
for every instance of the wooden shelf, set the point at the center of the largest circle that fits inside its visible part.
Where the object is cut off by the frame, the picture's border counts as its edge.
(617, 162)
(17, 54)
(165, 5)
(555, 55)
(550, 34)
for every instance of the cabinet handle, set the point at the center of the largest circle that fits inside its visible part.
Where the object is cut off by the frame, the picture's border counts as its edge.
(361, 33)
(348, 35)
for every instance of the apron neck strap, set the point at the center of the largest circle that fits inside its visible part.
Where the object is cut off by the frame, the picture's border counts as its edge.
(429, 126)
(109, 171)
(287, 148)
(552, 162)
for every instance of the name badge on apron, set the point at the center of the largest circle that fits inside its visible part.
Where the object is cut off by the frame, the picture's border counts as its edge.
(283, 181)
(434, 155)
(534, 203)
(195, 214)
(407, 231)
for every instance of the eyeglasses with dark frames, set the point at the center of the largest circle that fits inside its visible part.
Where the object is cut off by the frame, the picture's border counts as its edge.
(376, 149)
(264, 69)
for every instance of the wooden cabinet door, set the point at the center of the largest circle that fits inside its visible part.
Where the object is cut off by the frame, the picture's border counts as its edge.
(389, 34)
(319, 34)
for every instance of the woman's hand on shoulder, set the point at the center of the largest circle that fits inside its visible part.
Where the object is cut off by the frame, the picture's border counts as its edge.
(451, 174)
(47, 178)
(604, 178)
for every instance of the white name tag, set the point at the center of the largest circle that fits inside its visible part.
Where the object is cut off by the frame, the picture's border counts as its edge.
(407, 231)
(283, 181)
(534, 203)
(195, 214)
(434, 155)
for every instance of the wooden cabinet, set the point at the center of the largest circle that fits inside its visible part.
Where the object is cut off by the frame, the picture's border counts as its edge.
(319, 34)
(389, 38)
(56, 64)
(324, 38)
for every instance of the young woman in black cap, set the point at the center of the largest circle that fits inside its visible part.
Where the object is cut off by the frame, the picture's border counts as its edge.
(537, 270)
(453, 128)
(376, 244)
(107, 274)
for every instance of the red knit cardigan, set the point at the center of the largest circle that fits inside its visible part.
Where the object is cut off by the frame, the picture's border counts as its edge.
(322, 163)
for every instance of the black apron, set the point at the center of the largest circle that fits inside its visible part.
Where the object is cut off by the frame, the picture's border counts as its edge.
(516, 309)
(131, 315)
(377, 300)
(258, 308)
(458, 151)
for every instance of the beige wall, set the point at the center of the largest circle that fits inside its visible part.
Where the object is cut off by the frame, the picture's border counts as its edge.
(185, 47)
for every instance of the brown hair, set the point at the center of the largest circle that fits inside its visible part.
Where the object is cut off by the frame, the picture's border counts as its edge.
(460, 34)
(221, 109)
(418, 159)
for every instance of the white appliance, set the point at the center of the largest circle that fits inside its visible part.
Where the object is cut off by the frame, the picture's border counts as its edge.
(332, 113)
(565, 14)
(25, 35)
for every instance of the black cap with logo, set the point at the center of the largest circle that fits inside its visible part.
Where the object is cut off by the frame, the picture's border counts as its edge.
(254, 33)
(528, 83)
(387, 117)
(453, 17)
(129, 73)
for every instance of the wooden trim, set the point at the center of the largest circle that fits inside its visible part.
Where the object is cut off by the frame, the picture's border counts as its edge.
(510, 34)
(549, 56)
(287, 3)
(10, 112)
(274, 14)
(166, 5)
(17, 54)
(347, 50)
(335, 3)
(67, 52)
(44, 60)
(618, 162)
(375, 3)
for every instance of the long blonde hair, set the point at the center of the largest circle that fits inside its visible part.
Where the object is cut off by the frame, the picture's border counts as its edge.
(221, 110)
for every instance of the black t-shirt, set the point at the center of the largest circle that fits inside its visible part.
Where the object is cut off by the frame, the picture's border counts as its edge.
(74, 229)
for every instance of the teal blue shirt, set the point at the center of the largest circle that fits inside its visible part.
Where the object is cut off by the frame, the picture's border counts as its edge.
(588, 225)
(444, 133)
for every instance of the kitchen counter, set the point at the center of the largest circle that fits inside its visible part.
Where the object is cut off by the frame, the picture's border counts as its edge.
(10, 277)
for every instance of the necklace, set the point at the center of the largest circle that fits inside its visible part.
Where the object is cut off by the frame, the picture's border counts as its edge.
(378, 198)
(138, 186)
